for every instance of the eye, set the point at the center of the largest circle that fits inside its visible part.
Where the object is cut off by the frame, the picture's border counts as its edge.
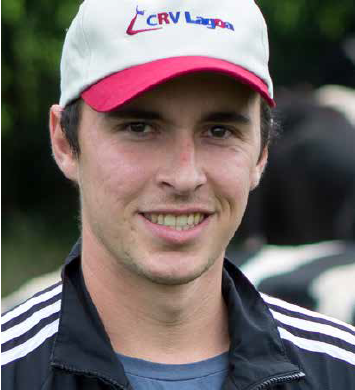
(139, 127)
(220, 132)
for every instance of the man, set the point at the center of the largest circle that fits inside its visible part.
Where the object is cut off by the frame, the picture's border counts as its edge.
(160, 126)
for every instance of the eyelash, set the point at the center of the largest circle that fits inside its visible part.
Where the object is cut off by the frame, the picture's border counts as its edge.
(128, 128)
(232, 132)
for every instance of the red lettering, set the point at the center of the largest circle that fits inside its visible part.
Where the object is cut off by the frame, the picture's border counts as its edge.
(163, 17)
(219, 23)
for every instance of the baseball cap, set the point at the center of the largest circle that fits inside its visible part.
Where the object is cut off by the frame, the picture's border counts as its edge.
(115, 50)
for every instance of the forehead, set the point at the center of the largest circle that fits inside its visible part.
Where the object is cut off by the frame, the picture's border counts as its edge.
(197, 92)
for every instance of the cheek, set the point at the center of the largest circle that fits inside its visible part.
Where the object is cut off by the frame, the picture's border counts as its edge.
(236, 191)
(115, 176)
(233, 172)
(231, 181)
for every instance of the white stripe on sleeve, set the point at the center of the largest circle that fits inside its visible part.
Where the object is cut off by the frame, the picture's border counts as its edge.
(30, 345)
(30, 303)
(30, 322)
(298, 309)
(318, 346)
(310, 326)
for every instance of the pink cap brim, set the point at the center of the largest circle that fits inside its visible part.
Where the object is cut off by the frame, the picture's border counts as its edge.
(121, 87)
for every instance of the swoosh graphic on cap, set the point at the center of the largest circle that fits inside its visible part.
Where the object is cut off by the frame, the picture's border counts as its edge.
(131, 31)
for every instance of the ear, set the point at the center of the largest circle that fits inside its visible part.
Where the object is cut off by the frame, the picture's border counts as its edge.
(62, 152)
(259, 169)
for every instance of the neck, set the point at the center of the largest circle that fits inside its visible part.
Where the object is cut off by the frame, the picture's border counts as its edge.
(175, 324)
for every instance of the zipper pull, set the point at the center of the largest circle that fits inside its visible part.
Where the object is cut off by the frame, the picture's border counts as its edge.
(280, 379)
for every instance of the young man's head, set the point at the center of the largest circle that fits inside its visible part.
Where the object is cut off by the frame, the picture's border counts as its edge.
(165, 138)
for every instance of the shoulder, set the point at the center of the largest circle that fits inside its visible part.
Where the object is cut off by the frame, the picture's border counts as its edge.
(321, 345)
(28, 332)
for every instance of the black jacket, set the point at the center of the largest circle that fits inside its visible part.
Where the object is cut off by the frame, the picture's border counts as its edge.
(56, 340)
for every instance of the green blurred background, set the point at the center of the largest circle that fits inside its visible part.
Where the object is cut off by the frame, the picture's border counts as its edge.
(39, 207)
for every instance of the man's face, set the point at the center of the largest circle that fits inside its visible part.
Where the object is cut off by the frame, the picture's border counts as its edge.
(164, 180)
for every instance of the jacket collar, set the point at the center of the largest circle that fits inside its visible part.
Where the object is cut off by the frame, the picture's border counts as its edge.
(256, 352)
(82, 345)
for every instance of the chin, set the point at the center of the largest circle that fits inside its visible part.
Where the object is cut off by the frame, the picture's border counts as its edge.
(172, 280)
(179, 273)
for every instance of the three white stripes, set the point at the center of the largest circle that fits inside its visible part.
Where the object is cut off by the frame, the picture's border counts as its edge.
(29, 323)
(315, 327)
(23, 327)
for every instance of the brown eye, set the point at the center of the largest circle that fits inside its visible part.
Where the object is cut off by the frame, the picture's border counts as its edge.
(219, 132)
(138, 127)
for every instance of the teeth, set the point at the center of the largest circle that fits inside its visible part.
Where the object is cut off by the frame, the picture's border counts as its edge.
(180, 222)
(169, 220)
(190, 219)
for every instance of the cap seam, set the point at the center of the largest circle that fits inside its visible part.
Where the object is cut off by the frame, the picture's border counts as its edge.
(262, 30)
(86, 43)
(263, 40)
(266, 57)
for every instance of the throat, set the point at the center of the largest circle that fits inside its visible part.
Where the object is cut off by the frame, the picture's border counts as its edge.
(173, 337)
(166, 324)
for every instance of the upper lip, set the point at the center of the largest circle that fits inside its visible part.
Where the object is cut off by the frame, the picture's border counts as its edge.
(174, 211)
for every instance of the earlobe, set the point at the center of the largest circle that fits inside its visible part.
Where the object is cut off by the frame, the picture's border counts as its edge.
(62, 152)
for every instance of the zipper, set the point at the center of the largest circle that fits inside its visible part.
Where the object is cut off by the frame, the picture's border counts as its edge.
(278, 380)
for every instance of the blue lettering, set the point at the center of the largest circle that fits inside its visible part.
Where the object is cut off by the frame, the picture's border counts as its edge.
(189, 20)
(200, 20)
(149, 20)
(229, 26)
(210, 23)
(175, 18)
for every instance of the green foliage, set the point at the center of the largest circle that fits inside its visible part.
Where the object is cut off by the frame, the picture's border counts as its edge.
(37, 202)
(303, 37)
(327, 19)
(33, 36)
(12, 11)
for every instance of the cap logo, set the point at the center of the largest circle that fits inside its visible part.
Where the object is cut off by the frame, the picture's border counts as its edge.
(158, 20)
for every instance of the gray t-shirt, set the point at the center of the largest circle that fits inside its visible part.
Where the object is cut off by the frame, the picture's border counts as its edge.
(207, 374)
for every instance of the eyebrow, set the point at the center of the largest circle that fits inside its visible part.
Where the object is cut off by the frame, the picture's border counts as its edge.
(135, 113)
(218, 116)
(226, 117)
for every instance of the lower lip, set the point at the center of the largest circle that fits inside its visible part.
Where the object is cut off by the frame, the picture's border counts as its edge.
(173, 236)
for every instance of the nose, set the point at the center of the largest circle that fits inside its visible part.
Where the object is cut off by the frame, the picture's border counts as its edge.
(181, 170)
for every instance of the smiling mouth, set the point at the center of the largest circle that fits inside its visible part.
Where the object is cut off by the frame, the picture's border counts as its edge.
(176, 222)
